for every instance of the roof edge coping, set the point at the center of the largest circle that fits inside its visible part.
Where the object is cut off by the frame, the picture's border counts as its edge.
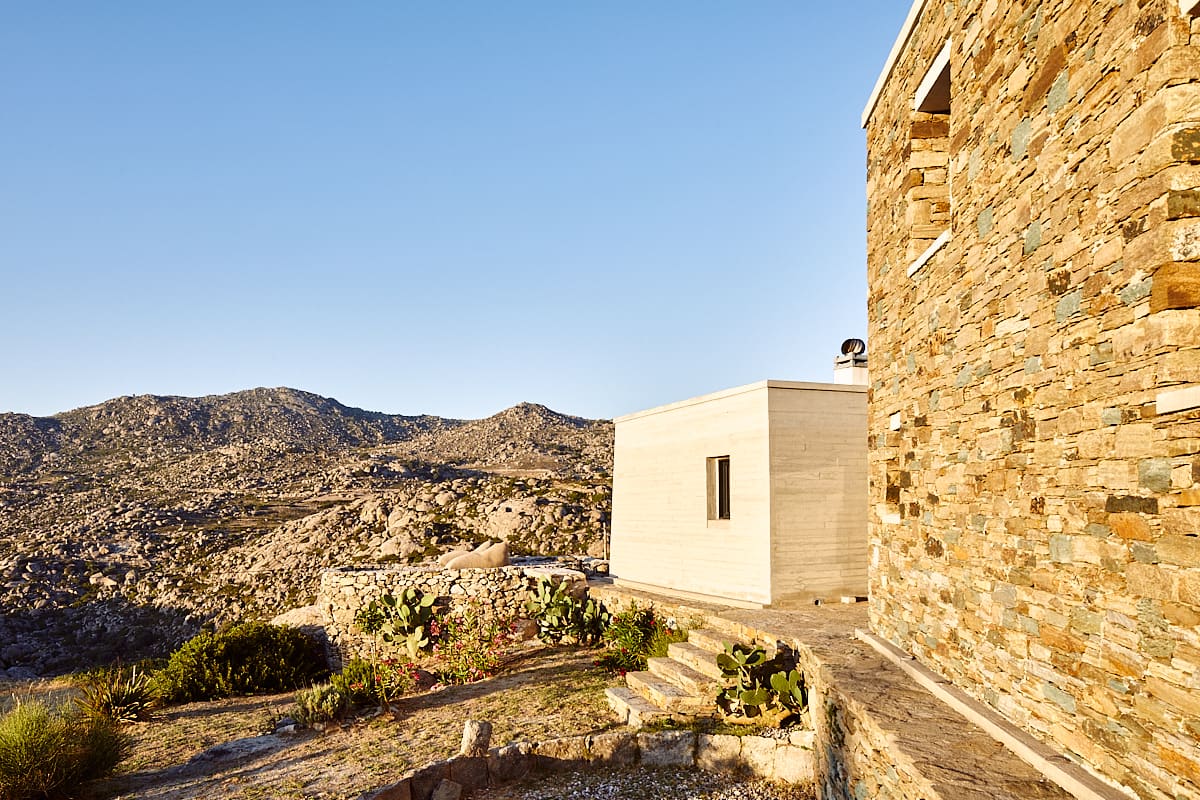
(910, 22)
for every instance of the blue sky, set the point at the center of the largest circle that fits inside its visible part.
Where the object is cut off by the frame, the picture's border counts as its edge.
(440, 208)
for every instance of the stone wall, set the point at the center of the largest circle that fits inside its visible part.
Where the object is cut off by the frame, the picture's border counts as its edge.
(1035, 475)
(498, 593)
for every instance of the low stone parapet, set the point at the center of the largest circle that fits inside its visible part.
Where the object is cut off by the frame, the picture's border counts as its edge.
(789, 760)
(494, 593)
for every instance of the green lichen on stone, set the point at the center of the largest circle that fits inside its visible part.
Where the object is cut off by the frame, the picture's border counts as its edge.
(1070, 305)
(1085, 621)
(1033, 236)
(1143, 553)
(985, 222)
(1060, 549)
(1155, 474)
(1138, 289)
(1059, 93)
(1020, 139)
(1058, 697)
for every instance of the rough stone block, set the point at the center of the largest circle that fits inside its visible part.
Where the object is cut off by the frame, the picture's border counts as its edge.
(1130, 526)
(758, 754)
(510, 762)
(469, 771)
(794, 764)
(1176, 285)
(447, 790)
(476, 738)
(400, 790)
(616, 749)
(719, 753)
(1183, 551)
(425, 780)
(667, 748)
(569, 752)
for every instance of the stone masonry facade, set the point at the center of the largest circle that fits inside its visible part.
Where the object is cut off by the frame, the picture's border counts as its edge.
(1033, 425)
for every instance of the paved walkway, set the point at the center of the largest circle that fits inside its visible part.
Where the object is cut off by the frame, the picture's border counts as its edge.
(955, 759)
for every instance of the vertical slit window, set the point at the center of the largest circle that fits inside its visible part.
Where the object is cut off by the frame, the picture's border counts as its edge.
(723, 488)
(718, 487)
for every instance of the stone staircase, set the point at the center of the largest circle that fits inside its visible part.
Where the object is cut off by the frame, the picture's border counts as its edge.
(680, 687)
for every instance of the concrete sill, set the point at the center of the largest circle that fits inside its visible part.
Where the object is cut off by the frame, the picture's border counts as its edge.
(1177, 399)
(938, 244)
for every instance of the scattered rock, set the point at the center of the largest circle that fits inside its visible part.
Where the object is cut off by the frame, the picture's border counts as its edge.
(476, 738)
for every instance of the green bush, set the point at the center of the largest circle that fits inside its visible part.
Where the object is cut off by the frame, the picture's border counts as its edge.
(469, 645)
(321, 703)
(46, 752)
(117, 694)
(357, 682)
(369, 683)
(634, 635)
(250, 658)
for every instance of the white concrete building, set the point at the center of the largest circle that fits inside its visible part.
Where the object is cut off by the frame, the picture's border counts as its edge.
(752, 496)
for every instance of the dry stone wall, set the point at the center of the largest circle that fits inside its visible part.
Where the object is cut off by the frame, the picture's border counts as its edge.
(498, 593)
(1035, 520)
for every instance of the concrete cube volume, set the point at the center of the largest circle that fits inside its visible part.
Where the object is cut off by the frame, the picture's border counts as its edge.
(789, 526)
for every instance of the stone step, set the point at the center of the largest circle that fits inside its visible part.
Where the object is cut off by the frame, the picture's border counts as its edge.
(699, 659)
(683, 676)
(710, 640)
(666, 695)
(631, 708)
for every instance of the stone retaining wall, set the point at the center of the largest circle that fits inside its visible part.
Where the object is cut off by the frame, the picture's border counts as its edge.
(789, 761)
(498, 593)
(876, 734)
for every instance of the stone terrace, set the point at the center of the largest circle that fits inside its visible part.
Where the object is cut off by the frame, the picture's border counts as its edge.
(878, 734)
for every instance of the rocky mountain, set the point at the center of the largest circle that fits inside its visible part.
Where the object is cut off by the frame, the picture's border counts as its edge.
(127, 525)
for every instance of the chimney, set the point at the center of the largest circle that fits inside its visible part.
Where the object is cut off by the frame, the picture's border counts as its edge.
(851, 366)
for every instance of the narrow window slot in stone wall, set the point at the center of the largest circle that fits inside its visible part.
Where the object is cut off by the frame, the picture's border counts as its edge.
(927, 187)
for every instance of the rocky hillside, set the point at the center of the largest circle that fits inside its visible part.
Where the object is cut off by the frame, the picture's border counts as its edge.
(127, 525)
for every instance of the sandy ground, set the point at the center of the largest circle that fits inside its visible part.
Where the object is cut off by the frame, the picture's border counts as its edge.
(219, 749)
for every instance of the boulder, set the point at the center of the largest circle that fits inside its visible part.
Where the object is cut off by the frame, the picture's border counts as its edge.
(494, 556)
(445, 558)
(399, 546)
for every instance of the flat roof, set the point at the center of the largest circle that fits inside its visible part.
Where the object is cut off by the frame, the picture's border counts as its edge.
(914, 14)
(749, 387)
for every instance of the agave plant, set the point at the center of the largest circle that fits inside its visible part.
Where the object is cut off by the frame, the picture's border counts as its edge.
(118, 695)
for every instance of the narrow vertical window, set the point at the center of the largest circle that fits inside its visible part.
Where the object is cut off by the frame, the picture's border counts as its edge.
(718, 487)
(722, 488)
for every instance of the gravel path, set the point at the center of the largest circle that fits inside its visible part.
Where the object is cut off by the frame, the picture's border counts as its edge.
(645, 783)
